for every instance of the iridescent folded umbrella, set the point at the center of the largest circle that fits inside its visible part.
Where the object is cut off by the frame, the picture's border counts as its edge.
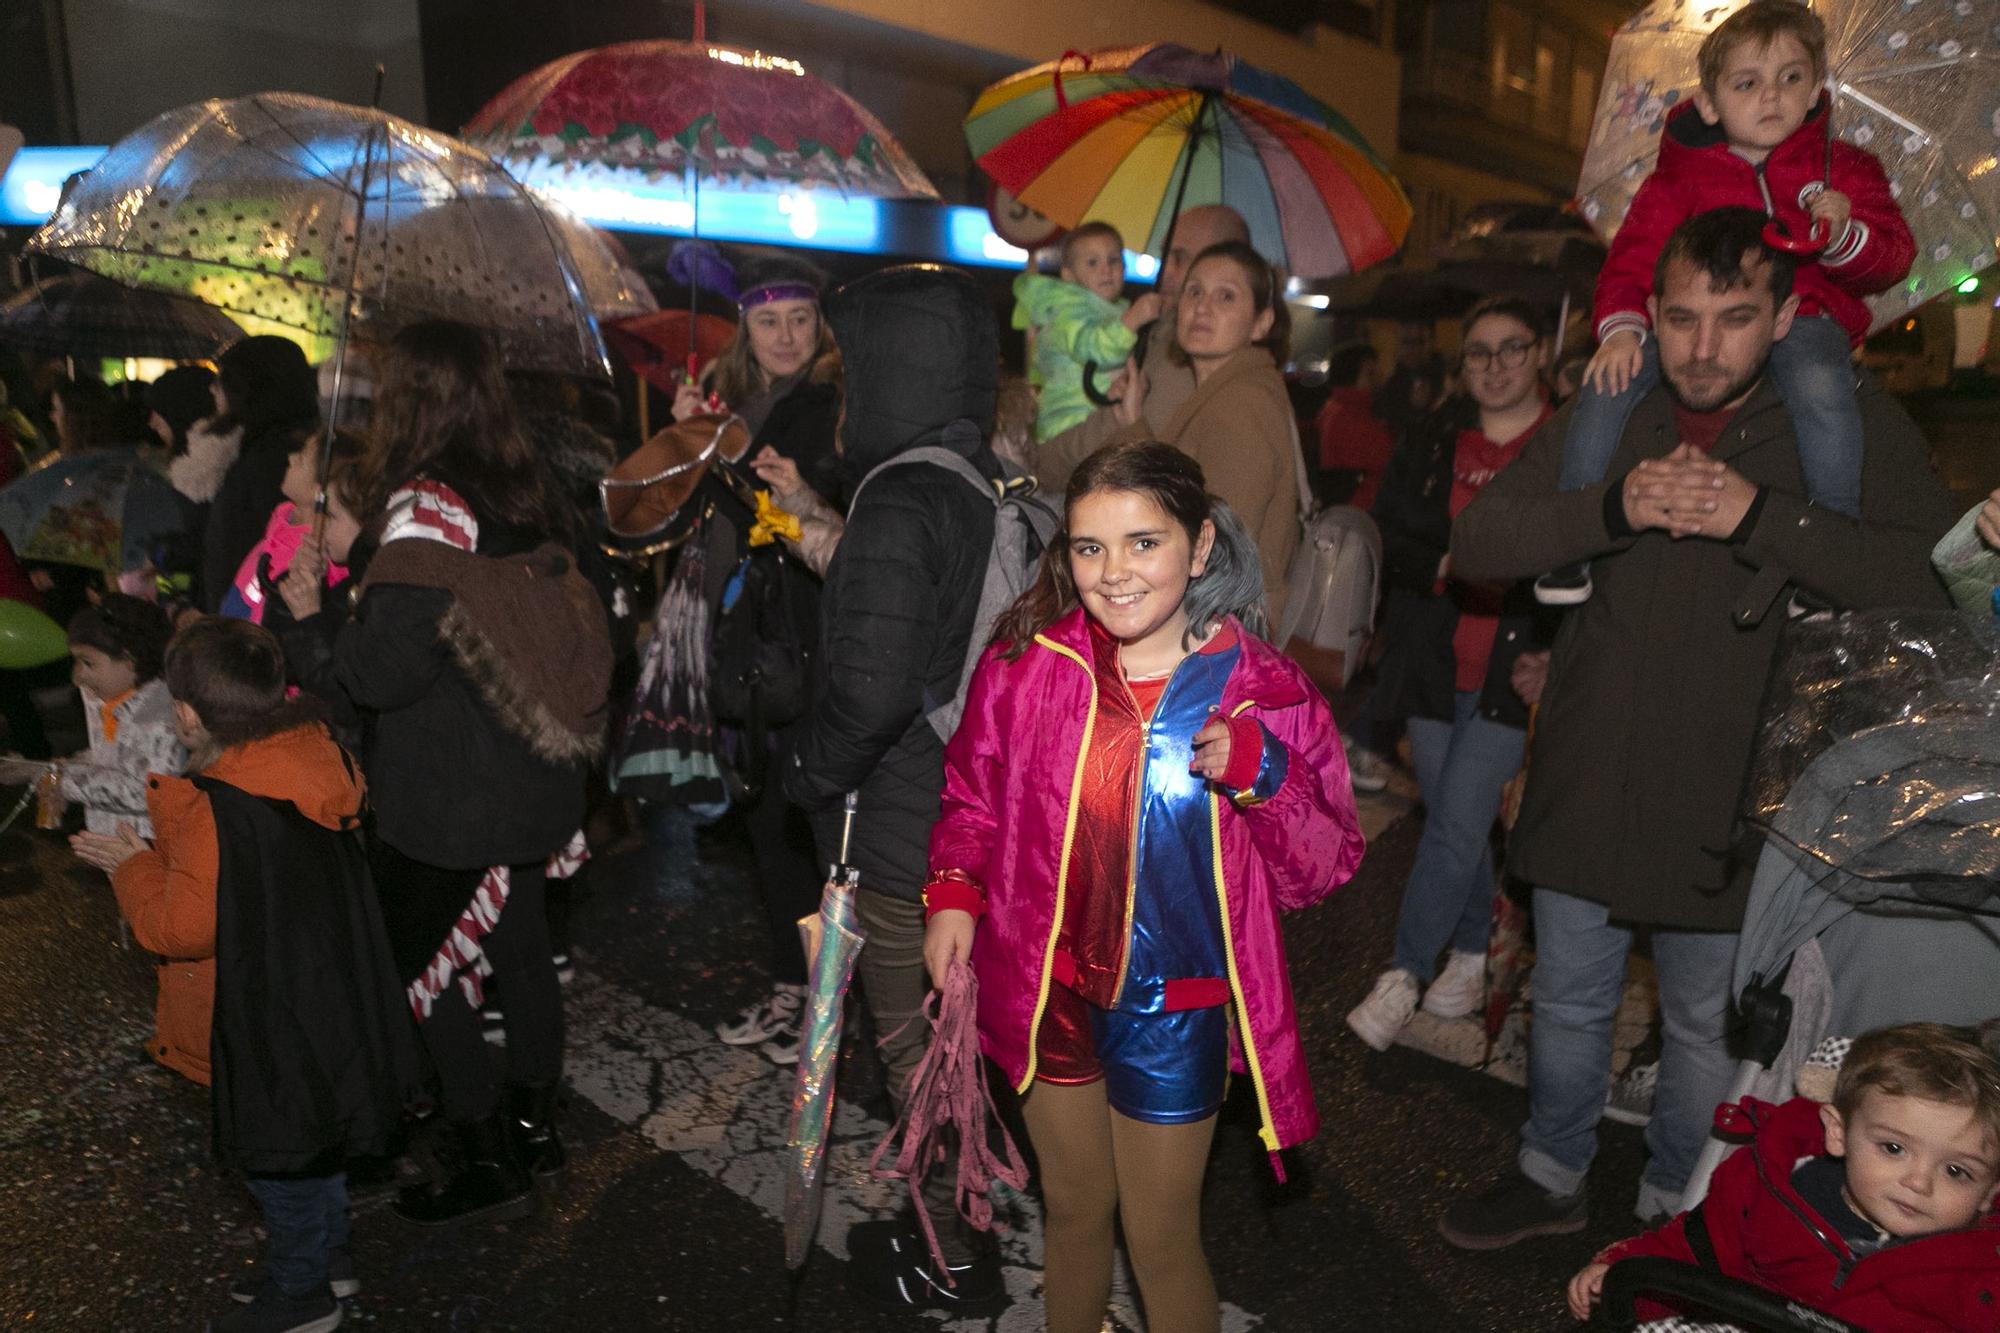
(833, 942)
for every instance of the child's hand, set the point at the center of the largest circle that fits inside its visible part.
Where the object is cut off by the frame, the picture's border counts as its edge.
(302, 584)
(1211, 750)
(108, 851)
(1130, 392)
(1835, 210)
(1988, 522)
(1616, 362)
(947, 939)
(1144, 310)
(1585, 1288)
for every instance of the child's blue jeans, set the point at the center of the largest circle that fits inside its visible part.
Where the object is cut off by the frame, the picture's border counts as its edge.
(1814, 375)
(306, 1219)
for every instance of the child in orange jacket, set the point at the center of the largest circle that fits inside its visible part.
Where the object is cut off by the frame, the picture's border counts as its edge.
(275, 987)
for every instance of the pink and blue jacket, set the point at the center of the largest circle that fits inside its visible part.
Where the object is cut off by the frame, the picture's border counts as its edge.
(1013, 787)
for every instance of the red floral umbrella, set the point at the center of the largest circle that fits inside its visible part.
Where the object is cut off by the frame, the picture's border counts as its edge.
(668, 106)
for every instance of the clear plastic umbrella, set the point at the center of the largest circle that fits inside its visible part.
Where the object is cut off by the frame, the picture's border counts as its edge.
(331, 219)
(1916, 84)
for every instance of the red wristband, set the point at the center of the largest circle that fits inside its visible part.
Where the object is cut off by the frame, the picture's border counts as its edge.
(953, 891)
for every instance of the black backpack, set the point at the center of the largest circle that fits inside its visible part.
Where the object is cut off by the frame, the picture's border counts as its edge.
(760, 656)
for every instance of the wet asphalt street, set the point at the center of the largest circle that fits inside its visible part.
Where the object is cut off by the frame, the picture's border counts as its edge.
(112, 1216)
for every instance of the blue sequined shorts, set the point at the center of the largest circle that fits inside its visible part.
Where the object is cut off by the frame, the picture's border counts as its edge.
(1164, 1069)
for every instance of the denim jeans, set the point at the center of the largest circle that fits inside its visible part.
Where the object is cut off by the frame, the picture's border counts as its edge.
(306, 1220)
(1597, 427)
(1578, 981)
(1462, 767)
(1814, 372)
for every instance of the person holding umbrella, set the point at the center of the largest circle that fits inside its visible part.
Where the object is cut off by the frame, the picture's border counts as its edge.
(780, 375)
(479, 659)
(1231, 333)
(1758, 134)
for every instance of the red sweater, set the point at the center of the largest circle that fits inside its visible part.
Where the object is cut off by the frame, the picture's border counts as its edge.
(1697, 171)
(1764, 1232)
(1353, 439)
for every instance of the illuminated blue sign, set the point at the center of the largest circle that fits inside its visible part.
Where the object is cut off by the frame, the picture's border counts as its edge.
(33, 184)
(626, 201)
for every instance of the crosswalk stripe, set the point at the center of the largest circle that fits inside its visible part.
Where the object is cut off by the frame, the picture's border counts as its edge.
(724, 1111)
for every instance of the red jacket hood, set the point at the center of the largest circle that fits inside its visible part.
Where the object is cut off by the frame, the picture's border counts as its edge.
(1689, 143)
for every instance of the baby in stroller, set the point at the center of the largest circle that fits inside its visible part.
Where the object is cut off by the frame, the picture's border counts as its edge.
(1876, 1209)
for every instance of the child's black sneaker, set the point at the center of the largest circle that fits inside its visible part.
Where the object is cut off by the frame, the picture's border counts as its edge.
(892, 1267)
(1568, 586)
(272, 1311)
(340, 1275)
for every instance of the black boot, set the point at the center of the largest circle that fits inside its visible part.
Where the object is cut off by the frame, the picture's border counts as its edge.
(491, 1187)
(531, 1127)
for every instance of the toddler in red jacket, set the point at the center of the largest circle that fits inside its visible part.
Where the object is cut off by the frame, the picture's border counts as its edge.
(1876, 1209)
(1756, 135)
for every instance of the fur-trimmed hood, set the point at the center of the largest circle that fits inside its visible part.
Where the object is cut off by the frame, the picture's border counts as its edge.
(198, 473)
(527, 630)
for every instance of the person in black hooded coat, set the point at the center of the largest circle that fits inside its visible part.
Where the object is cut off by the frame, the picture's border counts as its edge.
(264, 386)
(922, 366)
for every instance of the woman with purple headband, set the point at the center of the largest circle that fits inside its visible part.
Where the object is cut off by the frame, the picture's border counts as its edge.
(780, 374)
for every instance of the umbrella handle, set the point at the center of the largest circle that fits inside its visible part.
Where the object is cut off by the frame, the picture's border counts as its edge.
(1811, 243)
(846, 824)
(1055, 78)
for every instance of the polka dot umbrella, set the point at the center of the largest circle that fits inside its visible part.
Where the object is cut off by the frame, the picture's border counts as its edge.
(335, 221)
(1915, 82)
(1134, 135)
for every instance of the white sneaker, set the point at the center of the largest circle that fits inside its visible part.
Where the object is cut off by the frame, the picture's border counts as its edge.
(1387, 1010)
(1459, 988)
(1630, 1101)
(1365, 769)
(776, 1013)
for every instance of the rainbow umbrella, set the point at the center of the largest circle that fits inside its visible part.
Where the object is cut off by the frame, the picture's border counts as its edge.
(1133, 135)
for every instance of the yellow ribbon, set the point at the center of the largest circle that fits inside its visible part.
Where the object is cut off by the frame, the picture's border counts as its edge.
(773, 523)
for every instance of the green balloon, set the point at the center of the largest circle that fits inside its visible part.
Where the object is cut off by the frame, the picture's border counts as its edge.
(28, 638)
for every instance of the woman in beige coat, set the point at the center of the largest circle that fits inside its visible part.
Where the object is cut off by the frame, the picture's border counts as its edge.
(1232, 329)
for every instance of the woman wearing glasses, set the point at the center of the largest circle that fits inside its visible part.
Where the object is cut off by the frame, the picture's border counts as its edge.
(1450, 664)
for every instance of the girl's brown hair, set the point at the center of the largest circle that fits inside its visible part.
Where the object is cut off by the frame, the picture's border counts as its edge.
(442, 406)
(1267, 291)
(1231, 583)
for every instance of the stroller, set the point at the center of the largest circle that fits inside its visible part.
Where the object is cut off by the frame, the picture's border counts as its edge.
(1877, 894)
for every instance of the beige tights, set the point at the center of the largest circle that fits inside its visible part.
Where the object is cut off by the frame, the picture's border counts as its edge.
(1097, 1166)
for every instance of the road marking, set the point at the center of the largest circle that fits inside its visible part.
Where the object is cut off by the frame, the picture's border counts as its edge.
(724, 1110)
